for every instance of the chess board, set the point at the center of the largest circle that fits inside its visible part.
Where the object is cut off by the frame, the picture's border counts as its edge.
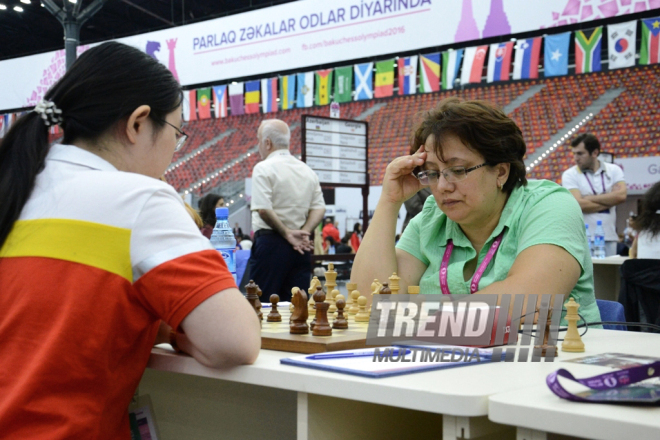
(276, 336)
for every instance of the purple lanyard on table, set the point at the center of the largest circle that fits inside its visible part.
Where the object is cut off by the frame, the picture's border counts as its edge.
(605, 381)
(474, 285)
(602, 181)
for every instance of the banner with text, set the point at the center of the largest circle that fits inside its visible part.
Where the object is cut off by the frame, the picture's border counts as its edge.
(641, 173)
(312, 32)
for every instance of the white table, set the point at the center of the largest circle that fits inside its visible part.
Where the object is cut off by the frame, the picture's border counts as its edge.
(536, 411)
(607, 277)
(280, 401)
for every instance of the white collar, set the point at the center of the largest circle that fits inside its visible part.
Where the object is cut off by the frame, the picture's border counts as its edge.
(278, 153)
(78, 156)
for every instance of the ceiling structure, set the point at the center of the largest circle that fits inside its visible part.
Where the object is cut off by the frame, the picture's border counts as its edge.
(27, 27)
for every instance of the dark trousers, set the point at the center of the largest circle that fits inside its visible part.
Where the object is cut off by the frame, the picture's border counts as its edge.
(277, 268)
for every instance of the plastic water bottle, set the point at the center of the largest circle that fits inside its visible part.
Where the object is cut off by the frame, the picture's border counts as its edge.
(590, 242)
(599, 240)
(222, 239)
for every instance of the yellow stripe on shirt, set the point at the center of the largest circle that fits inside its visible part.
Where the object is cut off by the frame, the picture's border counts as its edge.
(93, 244)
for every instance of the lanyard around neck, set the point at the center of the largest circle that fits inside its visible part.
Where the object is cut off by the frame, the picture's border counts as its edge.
(602, 181)
(474, 285)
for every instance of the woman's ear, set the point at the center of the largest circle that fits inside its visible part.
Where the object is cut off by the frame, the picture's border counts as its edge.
(135, 126)
(503, 170)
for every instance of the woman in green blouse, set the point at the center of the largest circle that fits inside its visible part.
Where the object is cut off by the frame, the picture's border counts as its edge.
(490, 229)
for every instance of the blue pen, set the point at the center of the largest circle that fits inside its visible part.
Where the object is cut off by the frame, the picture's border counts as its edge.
(318, 357)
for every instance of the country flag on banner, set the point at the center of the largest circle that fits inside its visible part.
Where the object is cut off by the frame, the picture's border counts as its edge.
(236, 98)
(323, 83)
(650, 50)
(9, 120)
(343, 84)
(2, 125)
(288, 91)
(252, 100)
(220, 101)
(451, 62)
(621, 44)
(363, 81)
(407, 75)
(526, 64)
(429, 73)
(587, 50)
(384, 79)
(204, 103)
(305, 88)
(269, 95)
(190, 105)
(499, 62)
(556, 54)
(473, 64)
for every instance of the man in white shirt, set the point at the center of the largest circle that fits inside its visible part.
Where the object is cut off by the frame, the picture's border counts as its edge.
(598, 187)
(287, 204)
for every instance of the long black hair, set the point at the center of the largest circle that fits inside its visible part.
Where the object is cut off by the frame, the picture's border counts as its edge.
(102, 88)
(649, 218)
(207, 208)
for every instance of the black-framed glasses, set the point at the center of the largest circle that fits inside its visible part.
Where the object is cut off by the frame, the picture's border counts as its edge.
(451, 174)
(182, 136)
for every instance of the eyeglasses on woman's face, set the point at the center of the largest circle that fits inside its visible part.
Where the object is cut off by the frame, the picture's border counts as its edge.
(181, 136)
(451, 174)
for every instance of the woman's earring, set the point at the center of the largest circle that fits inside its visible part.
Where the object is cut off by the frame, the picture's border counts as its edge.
(499, 185)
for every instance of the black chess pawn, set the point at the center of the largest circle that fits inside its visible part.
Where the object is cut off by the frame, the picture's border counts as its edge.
(274, 315)
(340, 322)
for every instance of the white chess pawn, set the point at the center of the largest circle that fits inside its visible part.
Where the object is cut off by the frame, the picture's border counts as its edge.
(362, 314)
(354, 306)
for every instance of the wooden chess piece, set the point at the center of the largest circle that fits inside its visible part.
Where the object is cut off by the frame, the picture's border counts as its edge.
(350, 287)
(362, 315)
(572, 341)
(274, 315)
(394, 283)
(330, 284)
(298, 323)
(340, 322)
(354, 307)
(385, 290)
(312, 288)
(251, 295)
(333, 306)
(322, 326)
(413, 290)
(375, 286)
(291, 305)
(258, 304)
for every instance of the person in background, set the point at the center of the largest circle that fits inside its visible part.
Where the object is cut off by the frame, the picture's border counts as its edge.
(598, 187)
(246, 243)
(287, 204)
(356, 237)
(238, 232)
(414, 205)
(329, 245)
(647, 224)
(207, 205)
(329, 230)
(344, 247)
(95, 251)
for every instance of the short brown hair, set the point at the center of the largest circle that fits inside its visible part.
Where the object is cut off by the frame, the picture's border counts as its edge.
(480, 126)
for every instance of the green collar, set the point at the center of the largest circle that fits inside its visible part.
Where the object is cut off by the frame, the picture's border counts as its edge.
(455, 233)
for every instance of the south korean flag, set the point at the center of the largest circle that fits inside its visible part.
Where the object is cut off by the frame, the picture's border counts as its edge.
(621, 44)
